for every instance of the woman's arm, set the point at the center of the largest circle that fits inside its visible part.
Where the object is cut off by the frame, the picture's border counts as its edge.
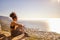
(21, 28)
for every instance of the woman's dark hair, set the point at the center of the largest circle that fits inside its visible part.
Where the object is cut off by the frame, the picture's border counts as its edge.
(13, 15)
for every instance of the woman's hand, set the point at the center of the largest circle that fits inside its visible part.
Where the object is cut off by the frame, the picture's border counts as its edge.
(16, 27)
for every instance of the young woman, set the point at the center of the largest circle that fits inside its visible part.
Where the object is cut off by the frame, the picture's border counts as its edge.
(16, 29)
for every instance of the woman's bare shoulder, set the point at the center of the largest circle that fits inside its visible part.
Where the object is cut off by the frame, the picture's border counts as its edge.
(13, 23)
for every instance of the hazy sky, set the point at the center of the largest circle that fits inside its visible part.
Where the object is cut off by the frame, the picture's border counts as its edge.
(31, 8)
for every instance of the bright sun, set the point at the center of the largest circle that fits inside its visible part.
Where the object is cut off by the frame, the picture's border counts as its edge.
(55, 1)
(58, 0)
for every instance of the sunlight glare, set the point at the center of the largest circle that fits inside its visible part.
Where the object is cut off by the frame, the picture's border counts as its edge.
(54, 24)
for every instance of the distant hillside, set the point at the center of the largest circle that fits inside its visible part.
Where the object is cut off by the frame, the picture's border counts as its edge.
(5, 23)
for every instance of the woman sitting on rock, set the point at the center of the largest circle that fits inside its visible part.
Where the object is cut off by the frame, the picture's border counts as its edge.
(17, 29)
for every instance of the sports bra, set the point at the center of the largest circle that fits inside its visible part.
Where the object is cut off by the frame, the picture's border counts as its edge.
(12, 27)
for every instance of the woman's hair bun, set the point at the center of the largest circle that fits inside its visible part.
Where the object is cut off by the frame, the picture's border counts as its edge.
(12, 14)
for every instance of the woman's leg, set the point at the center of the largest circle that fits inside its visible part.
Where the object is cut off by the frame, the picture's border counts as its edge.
(18, 37)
